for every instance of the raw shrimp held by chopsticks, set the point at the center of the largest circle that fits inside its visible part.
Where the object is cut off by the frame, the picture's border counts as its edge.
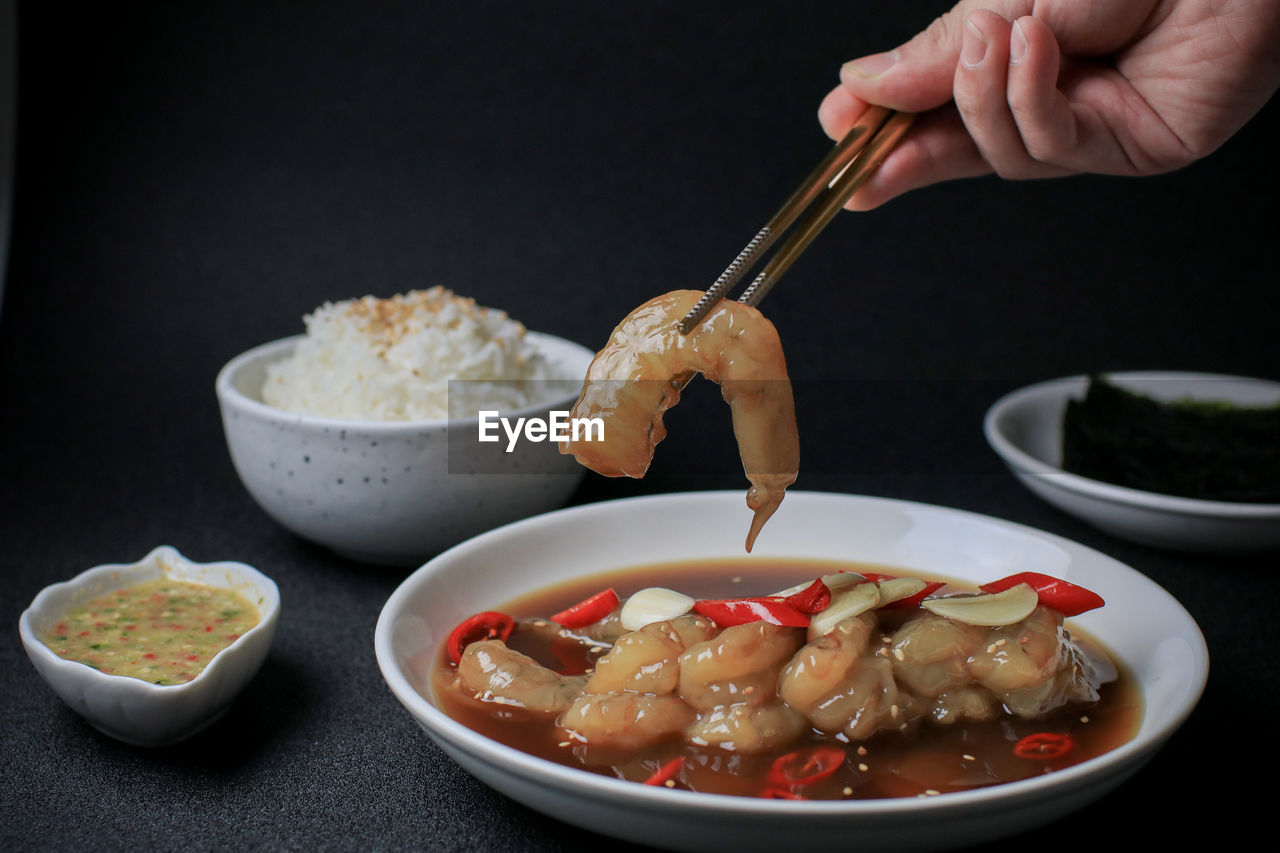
(641, 371)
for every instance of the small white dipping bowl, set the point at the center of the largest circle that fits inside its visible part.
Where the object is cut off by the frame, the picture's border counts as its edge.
(1025, 430)
(1141, 624)
(391, 492)
(130, 709)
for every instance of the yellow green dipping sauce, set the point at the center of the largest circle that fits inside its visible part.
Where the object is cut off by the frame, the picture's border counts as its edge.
(164, 631)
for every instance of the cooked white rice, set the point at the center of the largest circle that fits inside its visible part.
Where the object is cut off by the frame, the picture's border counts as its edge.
(391, 360)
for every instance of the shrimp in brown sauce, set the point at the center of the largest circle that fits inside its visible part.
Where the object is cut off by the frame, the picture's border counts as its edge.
(741, 705)
(625, 721)
(640, 373)
(841, 684)
(648, 660)
(491, 672)
(731, 680)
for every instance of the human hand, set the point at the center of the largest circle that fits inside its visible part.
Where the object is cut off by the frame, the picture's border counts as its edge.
(1117, 87)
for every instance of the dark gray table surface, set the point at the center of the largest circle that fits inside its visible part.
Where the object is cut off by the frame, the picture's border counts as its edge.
(190, 181)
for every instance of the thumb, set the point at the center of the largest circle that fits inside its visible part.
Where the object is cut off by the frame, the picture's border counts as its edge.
(915, 76)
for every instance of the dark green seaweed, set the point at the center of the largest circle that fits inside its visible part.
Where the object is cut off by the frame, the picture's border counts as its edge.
(1190, 448)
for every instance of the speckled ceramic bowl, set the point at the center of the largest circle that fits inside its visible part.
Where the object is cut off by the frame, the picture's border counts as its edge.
(391, 492)
(133, 710)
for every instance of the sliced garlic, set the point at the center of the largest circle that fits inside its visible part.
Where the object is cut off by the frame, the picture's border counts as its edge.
(896, 589)
(844, 604)
(834, 581)
(997, 608)
(653, 604)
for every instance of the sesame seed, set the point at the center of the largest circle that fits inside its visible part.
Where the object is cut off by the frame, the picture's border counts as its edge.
(862, 750)
(563, 743)
(931, 793)
(862, 767)
(899, 654)
(848, 792)
(968, 757)
(1084, 719)
(670, 783)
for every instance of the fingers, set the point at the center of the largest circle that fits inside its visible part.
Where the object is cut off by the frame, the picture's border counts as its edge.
(838, 111)
(1005, 90)
(915, 76)
(1009, 114)
(937, 149)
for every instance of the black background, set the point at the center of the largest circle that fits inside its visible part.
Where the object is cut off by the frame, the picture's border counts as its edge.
(191, 181)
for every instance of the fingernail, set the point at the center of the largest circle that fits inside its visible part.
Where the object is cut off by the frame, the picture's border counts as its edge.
(974, 47)
(872, 66)
(1017, 44)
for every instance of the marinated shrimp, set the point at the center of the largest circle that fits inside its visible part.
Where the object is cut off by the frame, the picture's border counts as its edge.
(494, 673)
(841, 685)
(641, 371)
(742, 697)
(648, 660)
(630, 698)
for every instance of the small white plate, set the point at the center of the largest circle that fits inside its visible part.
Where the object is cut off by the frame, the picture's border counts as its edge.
(130, 709)
(1141, 624)
(1025, 429)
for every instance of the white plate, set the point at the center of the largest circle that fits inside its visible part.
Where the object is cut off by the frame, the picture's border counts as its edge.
(1025, 429)
(130, 709)
(1141, 623)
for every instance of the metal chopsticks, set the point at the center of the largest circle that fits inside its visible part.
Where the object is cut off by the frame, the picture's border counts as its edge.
(831, 184)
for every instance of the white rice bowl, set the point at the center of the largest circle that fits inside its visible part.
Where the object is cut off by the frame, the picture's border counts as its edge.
(392, 359)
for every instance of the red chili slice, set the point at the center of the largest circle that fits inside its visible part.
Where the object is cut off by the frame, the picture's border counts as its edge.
(1044, 746)
(727, 612)
(666, 772)
(588, 611)
(930, 587)
(489, 625)
(812, 599)
(1063, 596)
(805, 766)
(780, 794)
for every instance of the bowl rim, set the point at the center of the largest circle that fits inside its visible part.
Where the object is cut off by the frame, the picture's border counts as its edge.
(1025, 463)
(266, 619)
(230, 396)
(439, 724)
